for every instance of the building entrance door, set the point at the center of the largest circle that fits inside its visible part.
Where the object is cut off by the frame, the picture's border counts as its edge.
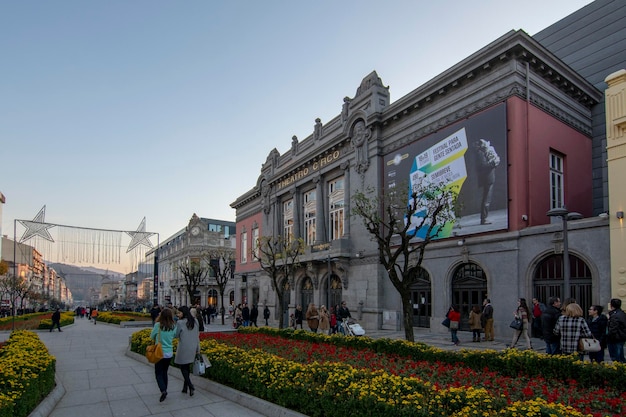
(469, 288)
(421, 298)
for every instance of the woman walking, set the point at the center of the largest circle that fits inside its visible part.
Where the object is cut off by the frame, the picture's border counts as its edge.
(324, 320)
(312, 317)
(455, 320)
(522, 312)
(163, 332)
(187, 333)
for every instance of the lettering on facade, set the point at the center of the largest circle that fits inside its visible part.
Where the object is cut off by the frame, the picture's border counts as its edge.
(317, 164)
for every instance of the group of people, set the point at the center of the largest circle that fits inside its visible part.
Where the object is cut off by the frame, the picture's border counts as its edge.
(246, 316)
(326, 321)
(183, 326)
(480, 319)
(561, 326)
(564, 325)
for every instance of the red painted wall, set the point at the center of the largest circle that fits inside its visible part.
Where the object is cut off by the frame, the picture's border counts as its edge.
(532, 135)
(246, 224)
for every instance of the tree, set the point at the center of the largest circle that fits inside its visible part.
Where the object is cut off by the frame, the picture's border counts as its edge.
(194, 272)
(279, 258)
(223, 266)
(4, 267)
(404, 229)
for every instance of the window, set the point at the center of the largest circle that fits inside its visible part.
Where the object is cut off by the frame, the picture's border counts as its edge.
(309, 217)
(288, 219)
(255, 242)
(336, 208)
(244, 247)
(556, 181)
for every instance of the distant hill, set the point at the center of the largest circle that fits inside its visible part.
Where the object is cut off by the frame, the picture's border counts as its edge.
(80, 279)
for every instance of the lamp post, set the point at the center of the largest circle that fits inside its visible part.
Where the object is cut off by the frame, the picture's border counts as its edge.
(565, 216)
(329, 277)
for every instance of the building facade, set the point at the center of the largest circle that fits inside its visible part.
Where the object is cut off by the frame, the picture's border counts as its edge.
(537, 116)
(202, 240)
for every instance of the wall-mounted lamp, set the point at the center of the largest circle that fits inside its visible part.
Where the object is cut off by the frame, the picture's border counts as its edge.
(620, 215)
(461, 242)
(359, 254)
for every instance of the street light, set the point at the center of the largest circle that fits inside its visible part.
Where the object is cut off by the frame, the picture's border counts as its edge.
(565, 216)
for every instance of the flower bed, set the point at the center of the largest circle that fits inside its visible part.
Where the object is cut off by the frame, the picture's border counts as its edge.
(321, 375)
(118, 317)
(26, 374)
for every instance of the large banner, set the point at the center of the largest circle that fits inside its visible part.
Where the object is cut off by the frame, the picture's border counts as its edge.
(469, 157)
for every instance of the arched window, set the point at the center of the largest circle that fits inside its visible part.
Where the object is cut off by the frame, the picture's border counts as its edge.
(548, 280)
(306, 293)
(469, 288)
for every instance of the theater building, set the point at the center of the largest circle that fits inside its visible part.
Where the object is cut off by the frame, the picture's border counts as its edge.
(513, 96)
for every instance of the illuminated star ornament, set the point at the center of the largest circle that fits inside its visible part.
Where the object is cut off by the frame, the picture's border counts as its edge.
(37, 227)
(140, 237)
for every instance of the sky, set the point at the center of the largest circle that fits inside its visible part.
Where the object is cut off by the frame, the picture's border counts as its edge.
(115, 111)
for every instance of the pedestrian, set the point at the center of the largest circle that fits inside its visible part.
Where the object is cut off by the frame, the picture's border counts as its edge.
(487, 319)
(343, 314)
(597, 323)
(266, 315)
(205, 315)
(333, 320)
(522, 312)
(324, 320)
(163, 332)
(312, 317)
(245, 315)
(455, 321)
(196, 315)
(154, 313)
(475, 323)
(548, 321)
(237, 319)
(94, 314)
(188, 335)
(538, 309)
(254, 315)
(299, 316)
(616, 331)
(56, 319)
(571, 326)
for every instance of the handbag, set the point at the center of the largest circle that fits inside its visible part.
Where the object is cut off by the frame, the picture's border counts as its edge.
(454, 325)
(154, 353)
(589, 344)
(517, 324)
(199, 367)
(446, 322)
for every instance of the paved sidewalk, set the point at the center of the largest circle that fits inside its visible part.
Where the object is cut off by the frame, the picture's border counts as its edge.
(98, 376)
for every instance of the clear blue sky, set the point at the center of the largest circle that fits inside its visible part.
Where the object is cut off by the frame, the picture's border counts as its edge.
(111, 111)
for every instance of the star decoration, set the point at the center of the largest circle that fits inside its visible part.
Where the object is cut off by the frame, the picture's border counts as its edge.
(140, 237)
(37, 227)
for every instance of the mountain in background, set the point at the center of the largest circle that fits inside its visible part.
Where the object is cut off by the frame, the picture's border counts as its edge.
(81, 279)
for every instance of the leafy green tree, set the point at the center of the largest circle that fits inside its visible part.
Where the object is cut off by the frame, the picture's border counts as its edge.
(393, 220)
(279, 258)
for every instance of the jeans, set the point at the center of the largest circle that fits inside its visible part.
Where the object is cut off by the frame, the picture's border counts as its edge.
(597, 356)
(160, 372)
(616, 351)
(455, 339)
(553, 348)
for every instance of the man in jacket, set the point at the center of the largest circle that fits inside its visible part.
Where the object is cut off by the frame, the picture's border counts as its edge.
(56, 320)
(616, 331)
(487, 319)
(548, 321)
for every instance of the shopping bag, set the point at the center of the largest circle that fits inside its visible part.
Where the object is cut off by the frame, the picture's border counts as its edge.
(199, 368)
(517, 324)
(587, 344)
(154, 353)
